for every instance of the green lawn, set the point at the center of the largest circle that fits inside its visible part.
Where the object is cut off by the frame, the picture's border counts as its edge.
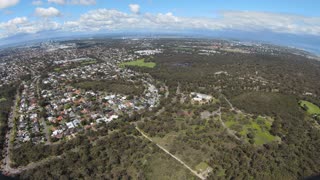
(139, 63)
(311, 108)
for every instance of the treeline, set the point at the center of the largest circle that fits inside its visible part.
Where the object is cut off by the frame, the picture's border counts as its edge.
(116, 86)
(28, 152)
(196, 140)
(120, 155)
(296, 155)
(7, 94)
(290, 74)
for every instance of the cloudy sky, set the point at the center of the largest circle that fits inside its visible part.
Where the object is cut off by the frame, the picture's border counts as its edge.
(297, 17)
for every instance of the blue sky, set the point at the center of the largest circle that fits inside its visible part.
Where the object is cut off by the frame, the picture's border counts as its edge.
(187, 8)
(297, 17)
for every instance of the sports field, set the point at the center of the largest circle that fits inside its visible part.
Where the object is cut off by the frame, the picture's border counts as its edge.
(139, 63)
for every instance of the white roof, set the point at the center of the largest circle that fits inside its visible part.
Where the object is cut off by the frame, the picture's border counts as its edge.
(70, 125)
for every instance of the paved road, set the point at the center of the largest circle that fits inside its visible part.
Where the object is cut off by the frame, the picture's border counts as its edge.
(175, 157)
(42, 120)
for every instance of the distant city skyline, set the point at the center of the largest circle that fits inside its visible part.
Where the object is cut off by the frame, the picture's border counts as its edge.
(292, 17)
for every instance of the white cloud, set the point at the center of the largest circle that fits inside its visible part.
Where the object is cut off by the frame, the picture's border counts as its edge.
(18, 20)
(61, 2)
(23, 25)
(37, 2)
(47, 12)
(8, 3)
(83, 2)
(73, 2)
(103, 19)
(113, 20)
(14, 22)
(282, 23)
(134, 8)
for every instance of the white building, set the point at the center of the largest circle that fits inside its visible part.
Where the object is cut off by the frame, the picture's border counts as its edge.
(201, 97)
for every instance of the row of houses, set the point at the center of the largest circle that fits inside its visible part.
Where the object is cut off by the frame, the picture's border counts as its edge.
(71, 110)
(29, 127)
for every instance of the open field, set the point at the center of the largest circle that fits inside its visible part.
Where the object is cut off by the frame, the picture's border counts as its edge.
(139, 63)
(309, 107)
(251, 130)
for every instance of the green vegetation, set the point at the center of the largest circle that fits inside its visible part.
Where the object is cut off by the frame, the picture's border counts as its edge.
(74, 64)
(195, 141)
(309, 107)
(267, 103)
(114, 86)
(121, 154)
(7, 94)
(57, 69)
(221, 173)
(85, 63)
(2, 99)
(162, 167)
(202, 167)
(139, 63)
(252, 130)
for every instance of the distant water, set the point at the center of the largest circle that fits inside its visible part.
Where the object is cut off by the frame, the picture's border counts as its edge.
(315, 49)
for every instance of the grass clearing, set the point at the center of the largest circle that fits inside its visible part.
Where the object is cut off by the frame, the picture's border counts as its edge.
(309, 107)
(258, 128)
(202, 167)
(221, 173)
(263, 138)
(139, 63)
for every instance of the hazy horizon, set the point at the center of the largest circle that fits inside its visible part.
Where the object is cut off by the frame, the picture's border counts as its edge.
(290, 23)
